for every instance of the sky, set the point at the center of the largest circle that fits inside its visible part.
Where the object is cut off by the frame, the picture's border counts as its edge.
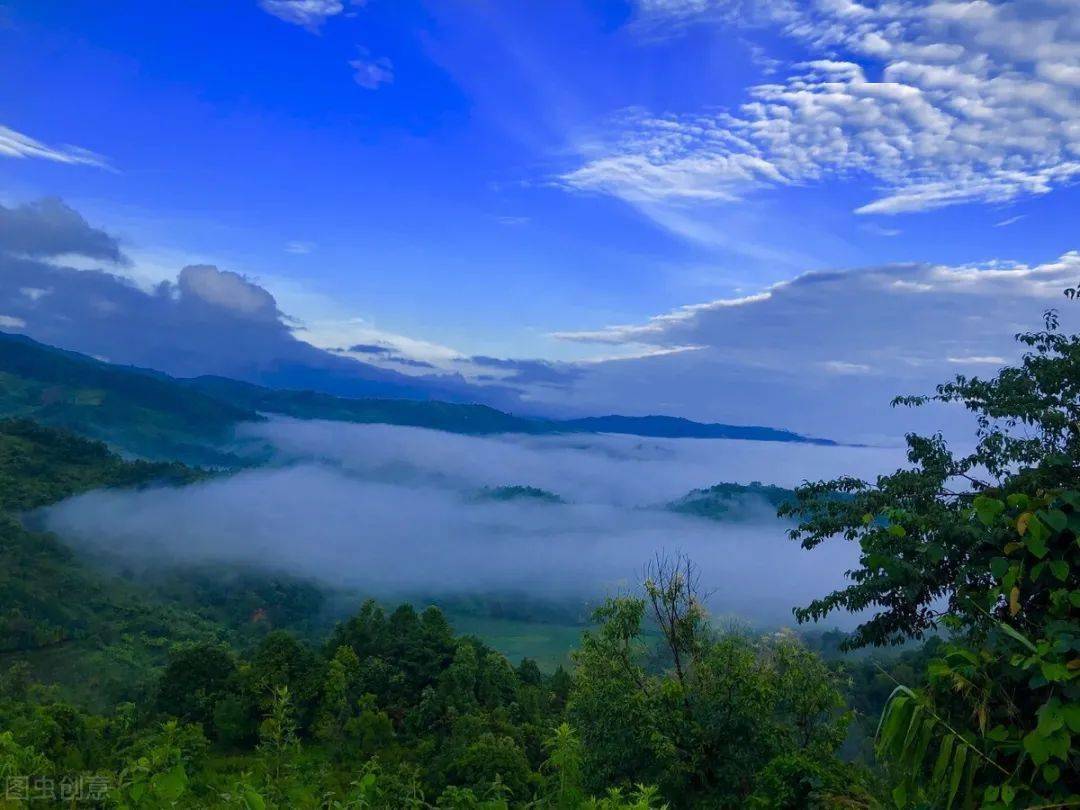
(750, 211)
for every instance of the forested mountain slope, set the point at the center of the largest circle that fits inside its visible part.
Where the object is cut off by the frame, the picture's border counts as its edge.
(140, 411)
(150, 414)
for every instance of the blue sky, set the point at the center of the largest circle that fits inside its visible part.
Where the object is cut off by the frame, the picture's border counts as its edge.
(516, 179)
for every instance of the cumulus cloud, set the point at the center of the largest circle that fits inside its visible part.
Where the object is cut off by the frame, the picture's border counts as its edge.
(17, 145)
(49, 228)
(939, 102)
(394, 511)
(221, 288)
(208, 321)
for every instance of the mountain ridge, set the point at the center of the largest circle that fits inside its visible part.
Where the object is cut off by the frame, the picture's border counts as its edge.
(152, 414)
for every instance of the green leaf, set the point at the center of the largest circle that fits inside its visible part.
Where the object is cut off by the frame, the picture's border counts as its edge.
(1018, 500)
(170, 785)
(1054, 518)
(1053, 671)
(1071, 713)
(1037, 534)
(896, 530)
(1008, 793)
(1071, 498)
(987, 509)
(1058, 743)
(944, 755)
(1035, 745)
(1051, 773)
(253, 801)
(899, 796)
(1013, 633)
(1051, 717)
(999, 566)
(1060, 569)
(959, 758)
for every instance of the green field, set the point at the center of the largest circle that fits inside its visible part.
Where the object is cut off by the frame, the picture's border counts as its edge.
(547, 644)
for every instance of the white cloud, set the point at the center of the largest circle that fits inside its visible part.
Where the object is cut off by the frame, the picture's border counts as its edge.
(11, 322)
(16, 145)
(1010, 221)
(978, 360)
(938, 102)
(824, 352)
(844, 367)
(371, 73)
(344, 332)
(878, 230)
(226, 289)
(309, 14)
(299, 248)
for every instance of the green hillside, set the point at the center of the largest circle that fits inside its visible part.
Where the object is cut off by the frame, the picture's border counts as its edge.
(55, 610)
(149, 414)
(140, 412)
(732, 502)
(451, 417)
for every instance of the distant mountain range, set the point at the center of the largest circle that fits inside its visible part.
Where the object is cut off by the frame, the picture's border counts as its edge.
(674, 427)
(150, 414)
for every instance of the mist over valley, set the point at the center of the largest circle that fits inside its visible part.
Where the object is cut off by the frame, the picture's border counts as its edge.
(394, 512)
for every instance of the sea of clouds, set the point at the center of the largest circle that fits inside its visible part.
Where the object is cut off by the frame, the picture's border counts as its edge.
(394, 510)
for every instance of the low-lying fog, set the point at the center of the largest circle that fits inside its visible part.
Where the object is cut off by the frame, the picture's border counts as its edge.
(394, 510)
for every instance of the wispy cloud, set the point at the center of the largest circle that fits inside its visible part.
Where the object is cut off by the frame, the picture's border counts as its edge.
(978, 360)
(1010, 221)
(370, 72)
(299, 248)
(844, 367)
(879, 230)
(17, 145)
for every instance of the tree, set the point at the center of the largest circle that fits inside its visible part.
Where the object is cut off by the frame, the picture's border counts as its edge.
(986, 545)
(195, 678)
(712, 711)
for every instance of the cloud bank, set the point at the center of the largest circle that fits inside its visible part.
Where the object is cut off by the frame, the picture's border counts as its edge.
(394, 511)
(824, 353)
(821, 354)
(209, 321)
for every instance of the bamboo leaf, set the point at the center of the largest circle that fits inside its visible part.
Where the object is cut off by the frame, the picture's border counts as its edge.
(944, 754)
(959, 758)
